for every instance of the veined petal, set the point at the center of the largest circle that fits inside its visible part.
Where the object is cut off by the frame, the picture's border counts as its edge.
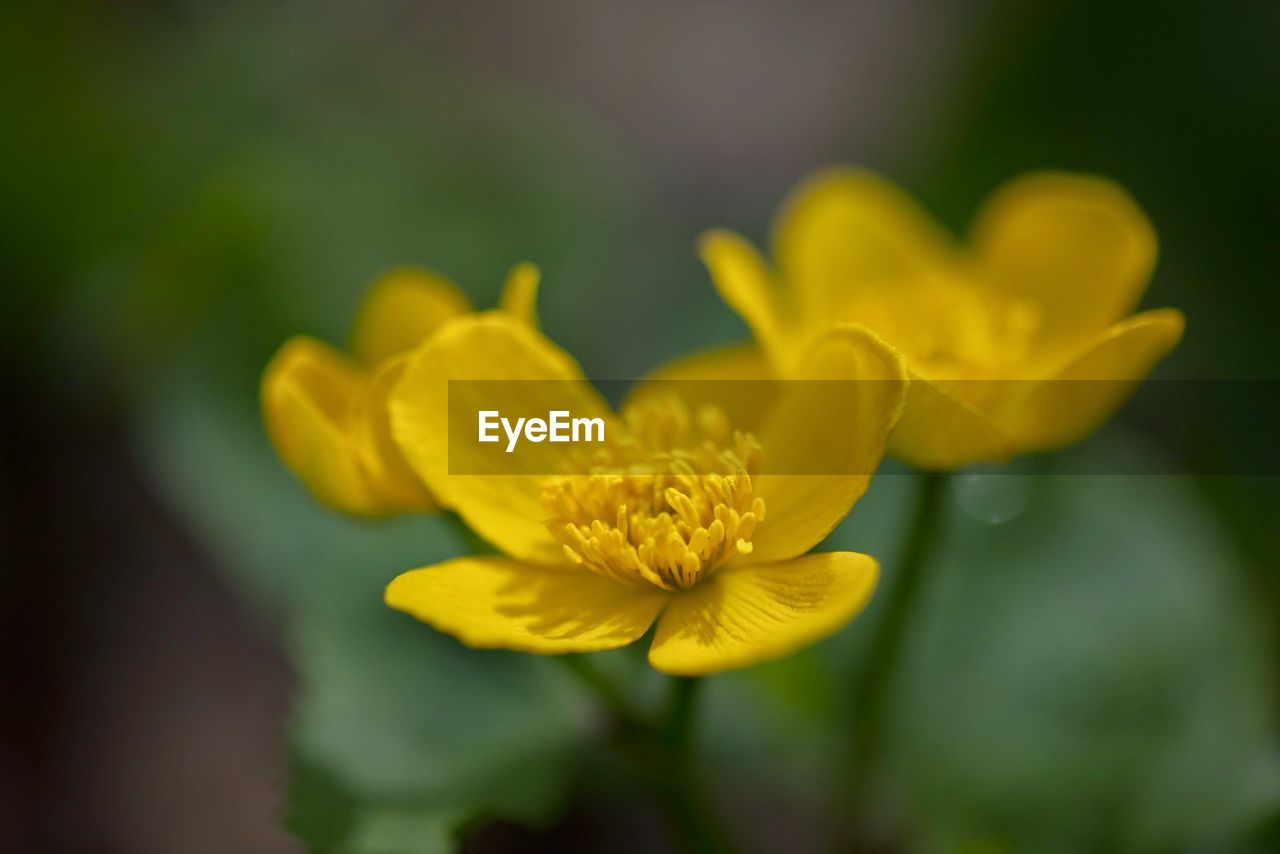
(747, 614)
(736, 378)
(390, 479)
(498, 496)
(745, 283)
(520, 293)
(844, 227)
(307, 392)
(1077, 247)
(1092, 385)
(823, 440)
(940, 431)
(494, 602)
(400, 310)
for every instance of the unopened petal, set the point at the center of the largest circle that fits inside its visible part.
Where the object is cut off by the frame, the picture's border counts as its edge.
(307, 391)
(390, 478)
(400, 310)
(520, 293)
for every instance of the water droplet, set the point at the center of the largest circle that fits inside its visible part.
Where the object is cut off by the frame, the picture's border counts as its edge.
(993, 498)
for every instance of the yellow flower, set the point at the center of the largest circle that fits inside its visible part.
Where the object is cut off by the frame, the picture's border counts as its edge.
(1017, 342)
(326, 411)
(679, 520)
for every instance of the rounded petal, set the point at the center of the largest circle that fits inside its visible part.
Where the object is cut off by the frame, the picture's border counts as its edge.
(307, 392)
(747, 614)
(744, 282)
(737, 378)
(731, 363)
(940, 431)
(520, 293)
(392, 482)
(400, 310)
(1077, 247)
(515, 369)
(494, 602)
(843, 227)
(1090, 387)
(824, 439)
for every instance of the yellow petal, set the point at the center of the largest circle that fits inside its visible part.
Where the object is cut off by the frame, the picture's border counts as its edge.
(732, 363)
(1090, 387)
(744, 282)
(940, 431)
(737, 378)
(499, 494)
(747, 614)
(1077, 247)
(520, 293)
(494, 602)
(844, 227)
(400, 310)
(823, 440)
(307, 393)
(391, 481)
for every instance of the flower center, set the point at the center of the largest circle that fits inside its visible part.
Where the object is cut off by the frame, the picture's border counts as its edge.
(947, 329)
(665, 504)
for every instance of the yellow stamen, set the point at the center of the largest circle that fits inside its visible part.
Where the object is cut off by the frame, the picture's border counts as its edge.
(665, 504)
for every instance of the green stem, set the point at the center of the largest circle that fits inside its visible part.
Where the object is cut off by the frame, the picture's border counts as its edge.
(684, 700)
(690, 808)
(671, 767)
(661, 751)
(581, 667)
(872, 688)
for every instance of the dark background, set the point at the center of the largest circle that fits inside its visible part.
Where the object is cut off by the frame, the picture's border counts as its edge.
(194, 654)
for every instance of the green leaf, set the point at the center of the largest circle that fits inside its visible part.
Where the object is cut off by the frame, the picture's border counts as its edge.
(1091, 673)
(403, 735)
(399, 734)
(1082, 670)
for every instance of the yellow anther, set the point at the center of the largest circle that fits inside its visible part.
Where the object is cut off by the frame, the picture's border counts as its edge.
(691, 564)
(714, 424)
(715, 532)
(698, 542)
(665, 504)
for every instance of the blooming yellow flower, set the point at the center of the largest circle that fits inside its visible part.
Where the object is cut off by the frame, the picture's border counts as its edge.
(1017, 342)
(326, 411)
(678, 520)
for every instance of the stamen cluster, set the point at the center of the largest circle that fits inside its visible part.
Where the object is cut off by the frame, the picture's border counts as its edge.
(666, 504)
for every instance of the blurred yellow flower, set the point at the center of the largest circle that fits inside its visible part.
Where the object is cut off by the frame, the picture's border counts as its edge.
(326, 411)
(680, 520)
(1017, 342)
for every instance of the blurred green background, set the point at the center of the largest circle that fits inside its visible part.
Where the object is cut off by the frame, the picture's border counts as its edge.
(196, 656)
